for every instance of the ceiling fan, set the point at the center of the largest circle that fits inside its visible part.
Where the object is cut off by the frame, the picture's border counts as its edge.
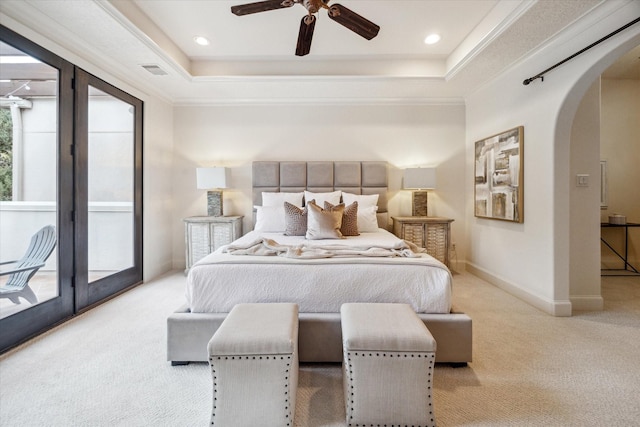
(337, 12)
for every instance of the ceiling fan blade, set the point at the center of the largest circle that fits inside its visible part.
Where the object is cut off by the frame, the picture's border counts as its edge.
(261, 6)
(305, 35)
(353, 21)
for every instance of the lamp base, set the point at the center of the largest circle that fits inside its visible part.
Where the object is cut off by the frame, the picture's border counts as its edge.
(214, 203)
(419, 203)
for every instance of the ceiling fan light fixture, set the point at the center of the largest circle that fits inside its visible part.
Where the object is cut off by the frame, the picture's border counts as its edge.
(338, 13)
(432, 39)
(201, 40)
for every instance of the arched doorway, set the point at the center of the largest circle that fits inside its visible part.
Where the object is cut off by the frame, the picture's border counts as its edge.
(570, 212)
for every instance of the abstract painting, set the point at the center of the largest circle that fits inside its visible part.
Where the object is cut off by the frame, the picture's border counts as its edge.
(499, 191)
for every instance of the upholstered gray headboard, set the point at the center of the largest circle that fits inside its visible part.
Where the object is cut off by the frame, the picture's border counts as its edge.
(322, 176)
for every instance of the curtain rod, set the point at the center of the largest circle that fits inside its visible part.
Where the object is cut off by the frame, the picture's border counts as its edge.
(541, 75)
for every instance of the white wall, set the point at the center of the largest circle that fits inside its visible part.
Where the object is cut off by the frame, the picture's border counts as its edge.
(39, 151)
(531, 260)
(110, 150)
(402, 135)
(158, 203)
(584, 250)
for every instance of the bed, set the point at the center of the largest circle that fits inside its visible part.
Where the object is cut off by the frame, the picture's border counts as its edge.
(315, 270)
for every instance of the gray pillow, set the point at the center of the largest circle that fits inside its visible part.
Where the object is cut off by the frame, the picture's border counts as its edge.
(295, 220)
(324, 224)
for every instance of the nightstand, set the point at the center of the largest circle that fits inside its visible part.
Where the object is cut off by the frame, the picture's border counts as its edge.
(205, 234)
(429, 232)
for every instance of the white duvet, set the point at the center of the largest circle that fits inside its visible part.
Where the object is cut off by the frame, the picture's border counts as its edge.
(347, 272)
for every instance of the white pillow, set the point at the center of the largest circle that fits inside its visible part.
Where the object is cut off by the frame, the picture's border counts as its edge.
(364, 200)
(332, 197)
(270, 219)
(367, 219)
(278, 199)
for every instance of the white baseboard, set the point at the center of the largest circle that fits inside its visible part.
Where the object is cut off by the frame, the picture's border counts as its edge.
(587, 303)
(157, 270)
(555, 308)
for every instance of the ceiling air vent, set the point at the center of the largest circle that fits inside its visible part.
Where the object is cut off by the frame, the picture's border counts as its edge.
(155, 70)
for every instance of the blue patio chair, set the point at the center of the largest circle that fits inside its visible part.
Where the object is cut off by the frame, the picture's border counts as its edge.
(41, 246)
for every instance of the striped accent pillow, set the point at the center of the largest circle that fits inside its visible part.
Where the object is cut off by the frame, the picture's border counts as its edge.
(349, 218)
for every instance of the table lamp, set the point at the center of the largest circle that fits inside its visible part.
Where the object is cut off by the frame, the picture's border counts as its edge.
(213, 180)
(420, 180)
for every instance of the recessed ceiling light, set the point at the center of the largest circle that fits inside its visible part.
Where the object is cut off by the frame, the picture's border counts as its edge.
(202, 41)
(432, 39)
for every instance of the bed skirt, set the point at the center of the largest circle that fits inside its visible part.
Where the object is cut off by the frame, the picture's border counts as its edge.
(320, 336)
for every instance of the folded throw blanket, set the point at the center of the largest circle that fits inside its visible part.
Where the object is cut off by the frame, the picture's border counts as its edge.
(269, 247)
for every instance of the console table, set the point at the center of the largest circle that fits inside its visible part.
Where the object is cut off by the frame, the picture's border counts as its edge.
(430, 232)
(205, 234)
(624, 257)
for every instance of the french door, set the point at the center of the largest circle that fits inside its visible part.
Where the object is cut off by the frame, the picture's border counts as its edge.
(108, 190)
(71, 159)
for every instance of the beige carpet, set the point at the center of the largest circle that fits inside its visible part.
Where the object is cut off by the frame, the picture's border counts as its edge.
(107, 367)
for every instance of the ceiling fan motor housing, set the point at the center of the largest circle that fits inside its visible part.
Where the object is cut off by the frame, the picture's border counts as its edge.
(313, 6)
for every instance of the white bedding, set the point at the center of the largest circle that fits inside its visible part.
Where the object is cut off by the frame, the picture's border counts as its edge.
(319, 284)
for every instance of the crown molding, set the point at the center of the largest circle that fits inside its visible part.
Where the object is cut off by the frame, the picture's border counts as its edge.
(424, 101)
(498, 21)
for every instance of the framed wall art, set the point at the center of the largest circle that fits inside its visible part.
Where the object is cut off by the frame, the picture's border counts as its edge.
(499, 163)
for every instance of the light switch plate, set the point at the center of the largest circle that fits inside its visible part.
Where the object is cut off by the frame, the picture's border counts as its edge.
(582, 180)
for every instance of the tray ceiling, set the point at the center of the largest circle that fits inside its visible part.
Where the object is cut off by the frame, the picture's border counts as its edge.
(251, 58)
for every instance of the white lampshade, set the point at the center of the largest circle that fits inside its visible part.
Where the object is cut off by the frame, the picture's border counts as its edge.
(209, 178)
(419, 178)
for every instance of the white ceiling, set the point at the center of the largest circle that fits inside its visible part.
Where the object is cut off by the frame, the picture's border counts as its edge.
(251, 58)
(404, 25)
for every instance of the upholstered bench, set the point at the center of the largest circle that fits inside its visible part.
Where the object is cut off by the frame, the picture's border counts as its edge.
(254, 363)
(389, 357)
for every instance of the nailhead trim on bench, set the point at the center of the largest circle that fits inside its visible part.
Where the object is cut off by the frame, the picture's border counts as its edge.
(215, 384)
(360, 353)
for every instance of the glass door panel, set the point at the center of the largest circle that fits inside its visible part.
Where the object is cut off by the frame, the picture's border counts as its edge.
(28, 181)
(110, 183)
(36, 189)
(108, 166)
